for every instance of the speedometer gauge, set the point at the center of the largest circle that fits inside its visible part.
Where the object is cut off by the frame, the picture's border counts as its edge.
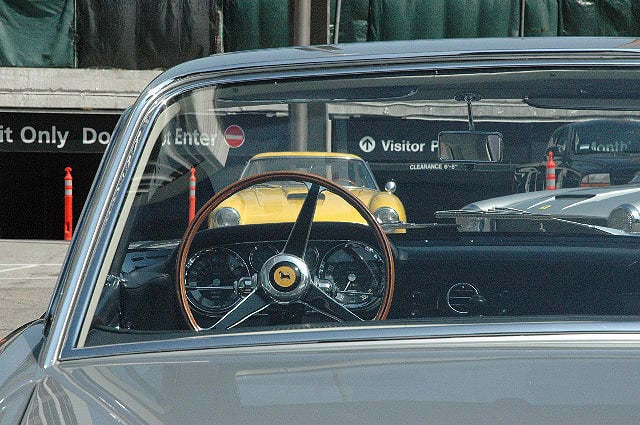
(210, 277)
(358, 272)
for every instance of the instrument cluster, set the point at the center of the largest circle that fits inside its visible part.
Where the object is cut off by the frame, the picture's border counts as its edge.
(355, 270)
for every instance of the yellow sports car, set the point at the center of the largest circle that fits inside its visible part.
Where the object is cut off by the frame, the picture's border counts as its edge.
(281, 201)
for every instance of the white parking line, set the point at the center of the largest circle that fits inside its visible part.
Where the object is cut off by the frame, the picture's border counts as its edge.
(28, 266)
(29, 278)
(24, 266)
(29, 275)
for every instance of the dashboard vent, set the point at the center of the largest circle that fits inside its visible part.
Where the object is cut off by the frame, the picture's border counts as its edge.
(459, 297)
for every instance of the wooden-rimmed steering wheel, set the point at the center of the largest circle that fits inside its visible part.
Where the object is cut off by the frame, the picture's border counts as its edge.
(285, 278)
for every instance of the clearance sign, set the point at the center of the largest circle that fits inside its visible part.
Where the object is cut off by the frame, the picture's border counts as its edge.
(61, 133)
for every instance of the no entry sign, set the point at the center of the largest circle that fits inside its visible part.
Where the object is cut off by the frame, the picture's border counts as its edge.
(234, 136)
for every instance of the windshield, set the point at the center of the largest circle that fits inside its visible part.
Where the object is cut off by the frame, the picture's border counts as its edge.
(205, 242)
(345, 171)
(602, 137)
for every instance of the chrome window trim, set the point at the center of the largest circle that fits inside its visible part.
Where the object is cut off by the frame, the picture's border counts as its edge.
(96, 222)
(552, 333)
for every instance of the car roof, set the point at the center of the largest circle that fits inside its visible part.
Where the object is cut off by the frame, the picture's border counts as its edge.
(398, 49)
(305, 155)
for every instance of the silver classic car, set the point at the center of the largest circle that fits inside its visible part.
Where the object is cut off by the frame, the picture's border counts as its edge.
(612, 207)
(159, 318)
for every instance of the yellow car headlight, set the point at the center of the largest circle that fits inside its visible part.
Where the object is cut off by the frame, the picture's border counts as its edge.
(386, 215)
(226, 216)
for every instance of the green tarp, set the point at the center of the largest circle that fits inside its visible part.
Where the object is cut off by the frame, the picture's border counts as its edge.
(255, 24)
(599, 17)
(414, 19)
(541, 18)
(138, 34)
(353, 22)
(37, 33)
(147, 34)
(251, 24)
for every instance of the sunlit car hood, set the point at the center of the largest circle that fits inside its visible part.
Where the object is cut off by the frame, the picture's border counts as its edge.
(282, 203)
(595, 201)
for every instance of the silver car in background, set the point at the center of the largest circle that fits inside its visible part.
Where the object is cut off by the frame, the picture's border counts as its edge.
(615, 207)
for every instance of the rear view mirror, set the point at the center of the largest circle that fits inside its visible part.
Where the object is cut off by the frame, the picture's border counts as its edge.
(474, 146)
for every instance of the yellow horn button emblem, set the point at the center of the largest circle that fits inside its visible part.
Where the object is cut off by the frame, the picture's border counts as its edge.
(284, 276)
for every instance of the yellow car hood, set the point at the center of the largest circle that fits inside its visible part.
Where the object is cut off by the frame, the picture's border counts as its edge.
(272, 204)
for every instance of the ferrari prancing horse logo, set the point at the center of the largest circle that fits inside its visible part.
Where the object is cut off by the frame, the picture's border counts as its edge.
(285, 276)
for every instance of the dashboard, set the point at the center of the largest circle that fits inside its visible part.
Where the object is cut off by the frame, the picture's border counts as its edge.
(436, 275)
(527, 275)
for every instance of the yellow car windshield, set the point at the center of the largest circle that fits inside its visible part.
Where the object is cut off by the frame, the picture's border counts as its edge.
(349, 172)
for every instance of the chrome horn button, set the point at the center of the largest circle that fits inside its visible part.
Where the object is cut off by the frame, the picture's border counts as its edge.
(285, 278)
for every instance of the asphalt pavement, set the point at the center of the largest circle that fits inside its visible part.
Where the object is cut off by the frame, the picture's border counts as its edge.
(28, 273)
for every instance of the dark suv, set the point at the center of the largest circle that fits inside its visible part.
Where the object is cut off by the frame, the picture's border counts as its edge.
(591, 153)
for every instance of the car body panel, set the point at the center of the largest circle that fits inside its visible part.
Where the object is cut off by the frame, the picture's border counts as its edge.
(447, 380)
(20, 371)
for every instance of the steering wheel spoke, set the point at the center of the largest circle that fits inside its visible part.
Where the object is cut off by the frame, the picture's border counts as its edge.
(325, 304)
(252, 304)
(299, 236)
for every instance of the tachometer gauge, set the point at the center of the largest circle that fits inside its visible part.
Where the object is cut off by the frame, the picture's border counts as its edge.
(358, 272)
(210, 277)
